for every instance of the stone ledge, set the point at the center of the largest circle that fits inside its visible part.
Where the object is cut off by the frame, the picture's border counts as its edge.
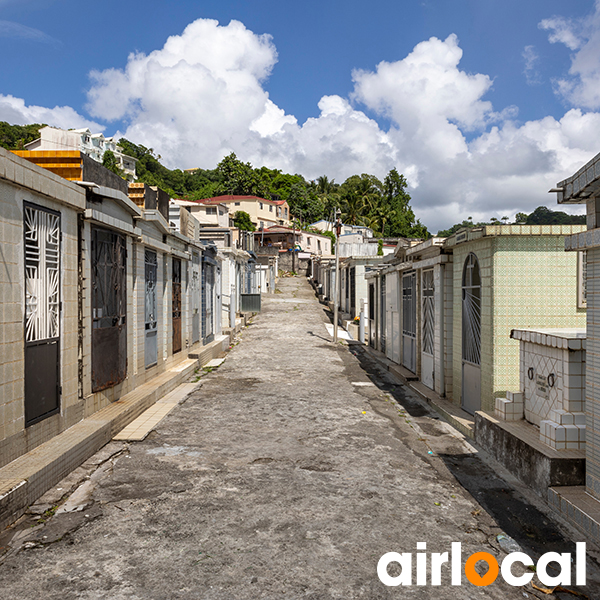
(578, 507)
(517, 447)
(456, 416)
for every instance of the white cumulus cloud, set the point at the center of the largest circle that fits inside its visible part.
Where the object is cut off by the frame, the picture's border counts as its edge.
(582, 87)
(15, 111)
(204, 95)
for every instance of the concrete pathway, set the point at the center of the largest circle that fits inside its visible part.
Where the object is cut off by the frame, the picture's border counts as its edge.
(287, 475)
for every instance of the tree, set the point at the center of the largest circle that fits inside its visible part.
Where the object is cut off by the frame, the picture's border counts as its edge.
(109, 160)
(241, 219)
(304, 204)
(543, 215)
(521, 217)
(401, 220)
(14, 137)
(240, 179)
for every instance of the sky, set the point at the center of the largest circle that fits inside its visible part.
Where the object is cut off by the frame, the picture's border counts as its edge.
(483, 105)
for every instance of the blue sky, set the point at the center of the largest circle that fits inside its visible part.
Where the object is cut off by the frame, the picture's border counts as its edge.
(483, 104)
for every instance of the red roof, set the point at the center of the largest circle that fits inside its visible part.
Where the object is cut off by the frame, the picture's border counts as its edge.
(230, 198)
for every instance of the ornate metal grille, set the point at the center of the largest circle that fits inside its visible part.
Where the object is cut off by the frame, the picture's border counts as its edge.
(42, 274)
(409, 317)
(176, 317)
(428, 311)
(109, 309)
(382, 306)
(471, 311)
(109, 305)
(151, 269)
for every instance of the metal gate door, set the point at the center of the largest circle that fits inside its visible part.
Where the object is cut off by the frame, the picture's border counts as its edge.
(176, 305)
(109, 309)
(372, 333)
(471, 335)
(208, 278)
(218, 303)
(409, 322)
(428, 328)
(392, 318)
(195, 297)
(42, 313)
(151, 311)
(382, 312)
(353, 292)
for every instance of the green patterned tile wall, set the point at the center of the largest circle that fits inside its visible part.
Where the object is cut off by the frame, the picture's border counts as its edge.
(527, 281)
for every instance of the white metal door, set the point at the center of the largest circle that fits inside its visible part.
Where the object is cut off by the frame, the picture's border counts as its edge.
(471, 335)
(428, 328)
(195, 285)
(409, 322)
(393, 318)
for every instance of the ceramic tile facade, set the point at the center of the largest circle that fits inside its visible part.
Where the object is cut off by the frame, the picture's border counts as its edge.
(527, 281)
(552, 378)
(76, 399)
(14, 437)
(592, 390)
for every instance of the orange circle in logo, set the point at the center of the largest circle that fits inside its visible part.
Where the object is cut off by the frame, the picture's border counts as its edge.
(474, 577)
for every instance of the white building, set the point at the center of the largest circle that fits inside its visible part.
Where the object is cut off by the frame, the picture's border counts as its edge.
(83, 140)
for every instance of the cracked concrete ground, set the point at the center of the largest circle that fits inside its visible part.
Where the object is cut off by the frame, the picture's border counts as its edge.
(288, 474)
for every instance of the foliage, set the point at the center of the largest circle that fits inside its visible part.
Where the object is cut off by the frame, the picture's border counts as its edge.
(240, 179)
(109, 160)
(241, 220)
(364, 199)
(14, 137)
(191, 185)
(330, 235)
(380, 247)
(542, 215)
(384, 207)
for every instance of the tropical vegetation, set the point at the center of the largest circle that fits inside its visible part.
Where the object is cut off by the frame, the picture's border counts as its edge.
(542, 215)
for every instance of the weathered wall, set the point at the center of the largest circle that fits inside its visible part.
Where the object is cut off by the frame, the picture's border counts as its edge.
(302, 265)
(537, 468)
(22, 181)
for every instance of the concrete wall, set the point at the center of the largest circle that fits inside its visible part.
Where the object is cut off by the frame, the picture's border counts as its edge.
(22, 181)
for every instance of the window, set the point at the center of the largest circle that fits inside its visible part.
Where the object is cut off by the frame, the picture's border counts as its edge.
(308, 241)
(260, 205)
(211, 210)
(236, 203)
(285, 211)
(582, 279)
(319, 246)
(270, 208)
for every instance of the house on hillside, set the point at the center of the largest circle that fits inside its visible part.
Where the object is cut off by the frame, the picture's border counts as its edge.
(93, 145)
(357, 230)
(286, 238)
(263, 212)
(207, 215)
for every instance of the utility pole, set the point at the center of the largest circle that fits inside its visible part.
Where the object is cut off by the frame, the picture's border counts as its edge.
(337, 227)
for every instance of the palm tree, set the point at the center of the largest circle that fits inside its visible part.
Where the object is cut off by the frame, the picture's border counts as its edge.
(352, 209)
